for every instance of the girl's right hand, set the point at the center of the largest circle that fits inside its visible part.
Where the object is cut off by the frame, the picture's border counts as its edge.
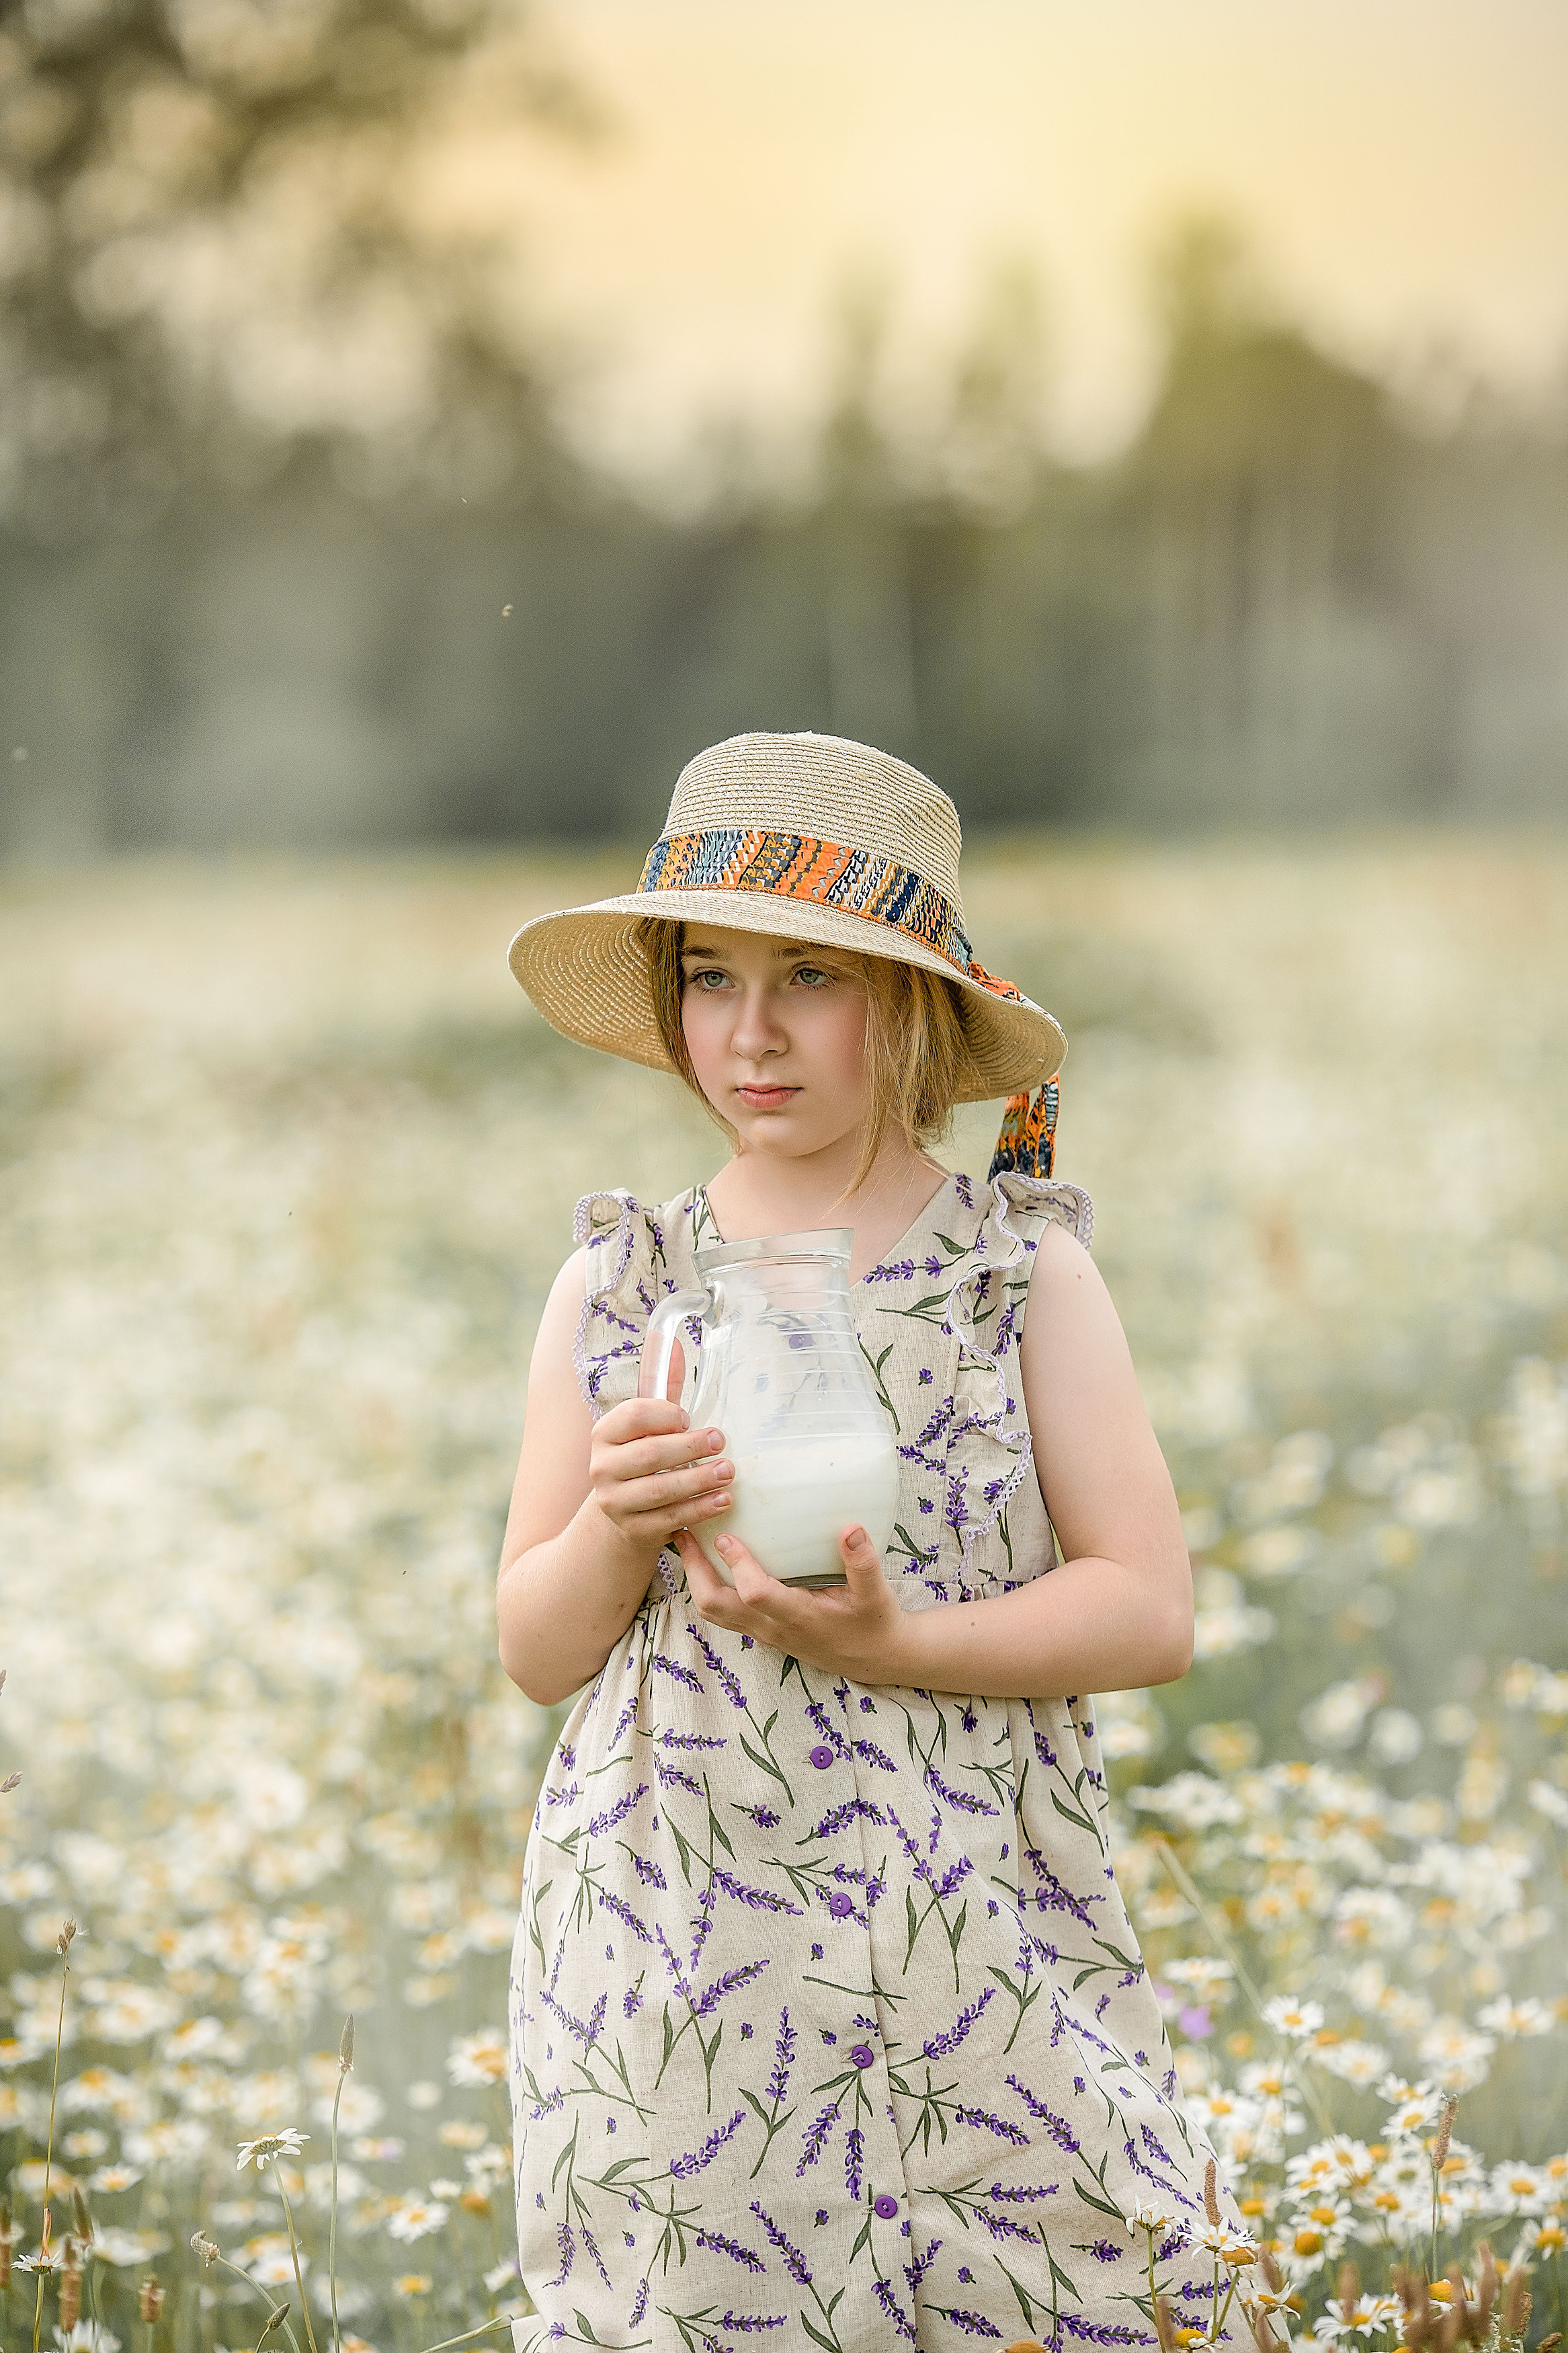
(651, 1474)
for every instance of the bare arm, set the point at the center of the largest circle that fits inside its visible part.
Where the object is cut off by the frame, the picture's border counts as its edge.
(1115, 1615)
(593, 1505)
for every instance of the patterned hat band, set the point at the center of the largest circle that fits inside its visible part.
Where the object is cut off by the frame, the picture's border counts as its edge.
(819, 839)
(823, 874)
(857, 882)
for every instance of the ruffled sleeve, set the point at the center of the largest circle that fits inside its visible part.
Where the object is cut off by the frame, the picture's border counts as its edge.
(624, 1253)
(993, 1531)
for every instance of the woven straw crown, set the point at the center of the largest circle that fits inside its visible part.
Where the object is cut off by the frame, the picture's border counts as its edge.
(800, 836)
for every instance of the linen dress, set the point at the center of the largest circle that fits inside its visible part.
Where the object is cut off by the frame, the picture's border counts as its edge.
(828, 2024)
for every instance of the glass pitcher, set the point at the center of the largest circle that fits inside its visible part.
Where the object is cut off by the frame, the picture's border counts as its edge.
(780, 1371)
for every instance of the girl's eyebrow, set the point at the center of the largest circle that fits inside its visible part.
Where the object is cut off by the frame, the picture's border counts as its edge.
(805, 951)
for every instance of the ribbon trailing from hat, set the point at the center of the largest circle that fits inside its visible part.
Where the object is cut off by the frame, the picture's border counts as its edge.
(1026, 1145)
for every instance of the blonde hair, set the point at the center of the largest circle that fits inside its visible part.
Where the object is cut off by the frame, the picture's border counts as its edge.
(916, 1055)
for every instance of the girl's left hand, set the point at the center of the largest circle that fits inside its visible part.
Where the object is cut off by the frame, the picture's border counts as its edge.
(855, 1630)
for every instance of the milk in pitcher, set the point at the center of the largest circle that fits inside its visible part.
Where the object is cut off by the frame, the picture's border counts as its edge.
(792, 1503)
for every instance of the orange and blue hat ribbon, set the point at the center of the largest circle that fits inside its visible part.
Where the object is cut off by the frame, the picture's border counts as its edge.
(1026, 1145)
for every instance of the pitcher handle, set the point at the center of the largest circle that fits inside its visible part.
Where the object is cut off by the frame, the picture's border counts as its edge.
(663, 1330)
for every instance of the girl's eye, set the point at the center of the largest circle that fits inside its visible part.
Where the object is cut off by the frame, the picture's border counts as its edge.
(709, 982)
(814, 977)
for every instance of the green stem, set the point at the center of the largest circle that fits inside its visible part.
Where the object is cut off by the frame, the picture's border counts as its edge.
(49, 2150)
(332, 2225)
(478, 2330)
(255, 2290)
(294, 2250)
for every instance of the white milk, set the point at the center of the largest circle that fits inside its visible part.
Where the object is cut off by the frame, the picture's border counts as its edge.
(794, 1502)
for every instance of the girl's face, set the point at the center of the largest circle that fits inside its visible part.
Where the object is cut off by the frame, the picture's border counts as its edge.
(776, 1032)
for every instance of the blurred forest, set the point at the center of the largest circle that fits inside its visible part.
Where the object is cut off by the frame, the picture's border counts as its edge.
(294, 547)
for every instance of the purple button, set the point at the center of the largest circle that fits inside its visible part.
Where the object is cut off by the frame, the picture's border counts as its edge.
(839, 1904)
(822, 1756)
(862, 2053)
(886, 2207)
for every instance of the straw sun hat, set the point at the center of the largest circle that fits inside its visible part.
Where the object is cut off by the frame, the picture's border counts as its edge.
(805, 838)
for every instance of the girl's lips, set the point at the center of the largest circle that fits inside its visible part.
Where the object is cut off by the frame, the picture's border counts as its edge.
(766, 1098)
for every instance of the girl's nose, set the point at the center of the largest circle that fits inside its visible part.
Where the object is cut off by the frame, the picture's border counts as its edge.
(757, 1030)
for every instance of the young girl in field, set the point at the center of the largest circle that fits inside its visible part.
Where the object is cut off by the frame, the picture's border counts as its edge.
(829, 2026)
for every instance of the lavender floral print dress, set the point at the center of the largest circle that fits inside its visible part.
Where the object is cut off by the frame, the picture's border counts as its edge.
(828, 2024)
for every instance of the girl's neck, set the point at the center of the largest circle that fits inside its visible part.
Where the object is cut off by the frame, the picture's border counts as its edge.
(757, 1194)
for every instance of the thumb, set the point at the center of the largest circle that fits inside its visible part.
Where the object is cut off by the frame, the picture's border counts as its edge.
(860, 1557)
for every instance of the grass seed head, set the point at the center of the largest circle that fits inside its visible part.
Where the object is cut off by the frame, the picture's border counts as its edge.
(275, 2320)
(64, 1940)
(1516, 2301)
(1485, 2281)
(207, 2249)
(11, 1782)
(70, 2286)
(1445, 2133)
(1410, 2287)
(1465, 2315)
(1211, 2200)
(81, 2215)
(346, 2045)
(1165, 2327)
(151, 2300)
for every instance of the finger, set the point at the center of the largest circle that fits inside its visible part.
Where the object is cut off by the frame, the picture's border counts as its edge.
(638, 1418)
(756, 1585)
(677, 1490)
(862, 1563)
(645, 1458)
(713, 1597)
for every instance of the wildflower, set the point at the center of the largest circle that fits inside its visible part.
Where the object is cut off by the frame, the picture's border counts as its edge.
(1233, 2246)
(474, 2062)
(1366, 2315)
(1415, 2110)
(1149, 2215)
(1511, 2018)
(1295, 2019)
(1546, 2239)
(287, 2143)
(414, 2218)
(411, 2283)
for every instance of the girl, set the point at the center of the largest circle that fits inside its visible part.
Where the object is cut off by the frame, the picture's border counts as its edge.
(826, 2016)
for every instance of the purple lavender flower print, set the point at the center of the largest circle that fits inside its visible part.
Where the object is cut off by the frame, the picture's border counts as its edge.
(698, 2160)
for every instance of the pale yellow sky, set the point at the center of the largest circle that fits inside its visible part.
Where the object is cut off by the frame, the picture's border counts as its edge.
(1404, 164)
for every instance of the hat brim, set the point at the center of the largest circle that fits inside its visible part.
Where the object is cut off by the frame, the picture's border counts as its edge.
(585, 970)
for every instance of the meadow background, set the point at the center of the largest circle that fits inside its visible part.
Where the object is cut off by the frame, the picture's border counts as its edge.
(423, 427)
(288, 1168)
